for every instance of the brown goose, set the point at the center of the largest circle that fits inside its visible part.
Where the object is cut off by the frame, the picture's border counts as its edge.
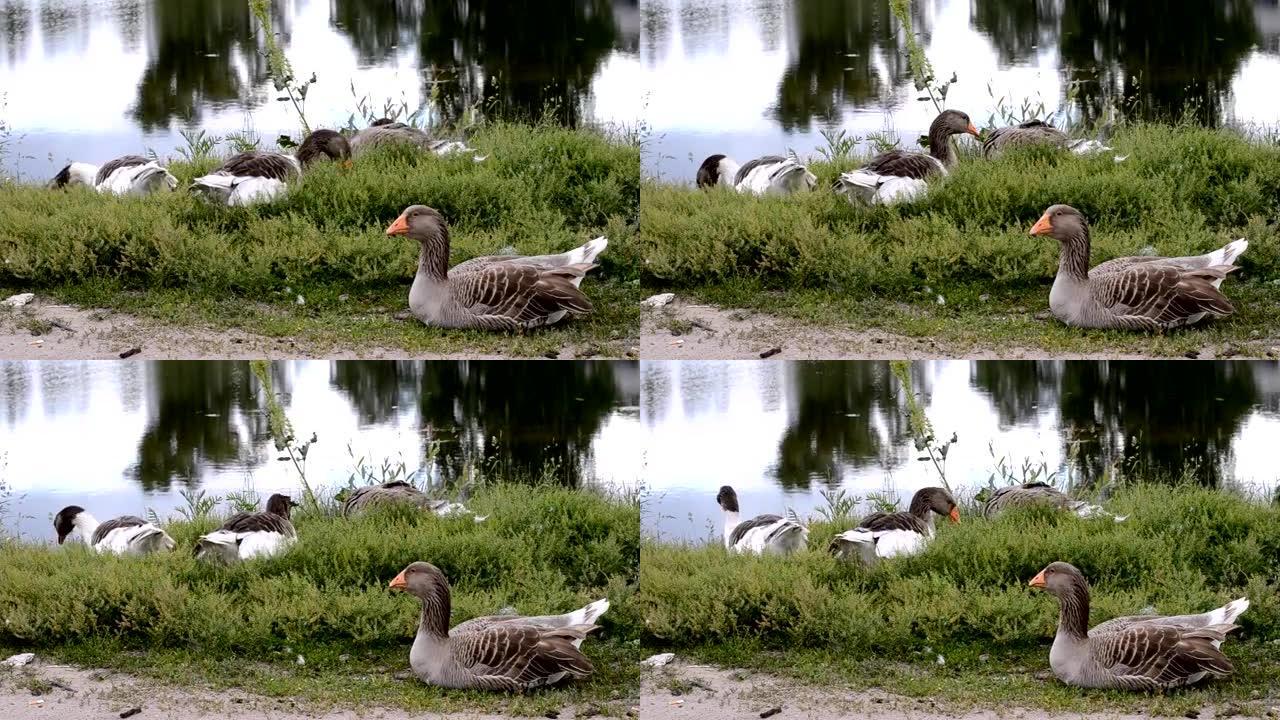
(902, 175)
(1138, 652)
(258, 176)
(398, 491)
(386, 131)
(884, 535)
(496, 292)
(245, 535)
(1038, 493)
(1132, 293)
(1038, 132)
(500, 652)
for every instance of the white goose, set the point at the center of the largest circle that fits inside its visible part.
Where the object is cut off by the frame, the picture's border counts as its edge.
(127, 175)
(768, 175)
(125, 535)
(245, 536)
(253, 177)
(762, 533)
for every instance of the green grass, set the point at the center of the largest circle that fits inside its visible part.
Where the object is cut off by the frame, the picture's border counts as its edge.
(1183, 190)
(820, 620)
(543, 549)
(543, 189)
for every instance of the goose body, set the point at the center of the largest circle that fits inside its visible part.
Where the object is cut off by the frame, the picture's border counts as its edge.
(1038, 493)
(246, 536)
(768, 175)
(1037, 132)
(125, 535)
(387, 132)
(902, 175)
(1140, 652)
(506, 653)
(496, 292)
(885, 535)
(760, 534)
(1133, 293)
(127, 175)
(388, 493)
(258, 176)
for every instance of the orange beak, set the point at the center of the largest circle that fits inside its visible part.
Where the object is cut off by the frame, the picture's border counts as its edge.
(398, 583)
(399, 227)
(1038, 580)
(973, 130)
(955, 515)
(1043, 226)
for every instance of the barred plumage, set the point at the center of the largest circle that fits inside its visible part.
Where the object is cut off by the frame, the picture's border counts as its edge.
(883, 535)
(124, 535)
(767, 175)
(246, 535)
(761, 534)
(902, 175)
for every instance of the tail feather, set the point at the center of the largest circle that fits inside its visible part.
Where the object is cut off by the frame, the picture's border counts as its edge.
(588, 614)
(1227, 254)
(1228, 613)
(588, 252)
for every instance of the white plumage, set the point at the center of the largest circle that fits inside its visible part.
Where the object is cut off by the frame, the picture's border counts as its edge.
(870, 546)
(760, 534)
(238, 191)
(246, 536)
(128, 175)
(768, 175)
(872, 188)
(125, 535)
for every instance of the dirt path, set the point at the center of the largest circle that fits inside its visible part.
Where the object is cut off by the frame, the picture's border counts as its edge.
(47, 691)
(682, 691)
(690, 331)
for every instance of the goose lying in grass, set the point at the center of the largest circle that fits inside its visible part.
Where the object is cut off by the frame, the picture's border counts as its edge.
(1132, 293)
(396, 491)
(387, 132)
(125, 535)
(1038, 493)
(885, 535)
(762, 533)
(245, 536)
(259, 176)
(768, 175)
(902, 175)
(495, 292)
(507, 653)
(1139, 652)
(1036, 132)
(128, 175)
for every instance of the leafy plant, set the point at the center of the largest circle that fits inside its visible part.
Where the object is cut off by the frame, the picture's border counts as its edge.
(935, 452)
(282, 433)
(199, 504)
(918, 63)
(200, 146)
(278, 64)
(839, 505)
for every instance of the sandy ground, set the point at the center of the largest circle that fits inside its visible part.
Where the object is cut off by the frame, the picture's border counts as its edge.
(716, 694)
(68, 693)
(75, 333)
(727, 334)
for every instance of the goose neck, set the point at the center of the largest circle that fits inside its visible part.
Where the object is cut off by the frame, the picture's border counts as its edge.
(433, 624)
(940, 145)
(86, 524)
(1073, 258)
(730, 522)
(1073, 612)
(433, 257)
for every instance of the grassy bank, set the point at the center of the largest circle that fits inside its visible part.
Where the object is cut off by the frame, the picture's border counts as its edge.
(966, 599)
(543, 189)
(542, 550)
(1182, 190)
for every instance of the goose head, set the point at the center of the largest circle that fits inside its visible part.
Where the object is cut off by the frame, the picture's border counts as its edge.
(427, 583)
(324, 143)
(381, 121)
(280, 504)
(76, 173)
(65, 521)
(711, 171)
(1059, 579)
(937, 500)
(1063, 222)
(727, 499)
(420, 223)
(952, 122)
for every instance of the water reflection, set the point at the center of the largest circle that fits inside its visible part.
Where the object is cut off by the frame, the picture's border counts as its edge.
(163, 64)
(811, 64)
(780, 435)
(133, 434)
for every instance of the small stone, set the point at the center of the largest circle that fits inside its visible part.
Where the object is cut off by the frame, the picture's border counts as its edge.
(130, 353)
(770, 352)
(18, 660)
(771, 712)
(551, 354)
(344, 658)
(1192, 354)
(18, 300)
(941, 300)
(1193, 714)
(984, 657)
(984, 297)
(657, 301)
(344, 297)
(941, 660)
(656, 661)
(300, 301)
(300, 661)
(553, 714)
(130, 712)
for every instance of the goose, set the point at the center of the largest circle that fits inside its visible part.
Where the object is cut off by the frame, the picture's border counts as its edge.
(125, 535)
(508, 653)
(1038, 493)
(245, 536)
(762, 533)
(1132, 293)
(127, 175)
(496, 292)
(258, 176)
(884, 535)
(1139, 652)
(903, 175)
(386, 131)
(768, 175)
(398, 491)
(1036, 132)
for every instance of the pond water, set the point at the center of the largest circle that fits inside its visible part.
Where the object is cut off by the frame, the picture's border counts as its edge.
(755, 77)
(120, 437)
(780, 433)
(94, 79)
